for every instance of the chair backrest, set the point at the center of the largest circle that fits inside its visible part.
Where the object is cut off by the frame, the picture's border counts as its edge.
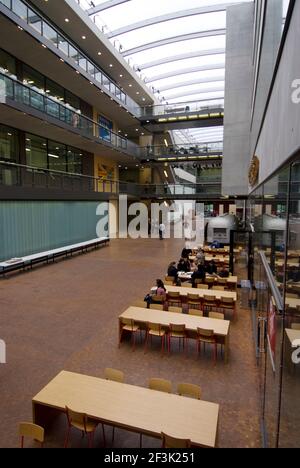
(216, 315)
(209, 298)
(27, 429)
(227, 300)
(175, 309)
(153, 326)
(209, 280)
(157, 306)
(157, 298)
(198, 281)
(205, 333)
(127, 321)
(173, 442)
(191, 390)
(202, 286)
(168, 283)
(218, 288)
(193, 297)
(173, 294)
(222, 281)
(295, 326)
(140, 304)
(176, 328)
(186, 285)
(114, 374)
(170, 278)
(76, 417)
(161, 385)
(198, 313)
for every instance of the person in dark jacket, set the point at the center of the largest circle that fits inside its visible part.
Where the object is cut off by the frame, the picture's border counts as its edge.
(186, 253)
(211, 268)
(184, 265)
(198, 274)
(224, 273)
(172, 270)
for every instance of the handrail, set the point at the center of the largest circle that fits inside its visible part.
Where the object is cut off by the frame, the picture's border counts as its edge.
(45, 28)
(24, 94)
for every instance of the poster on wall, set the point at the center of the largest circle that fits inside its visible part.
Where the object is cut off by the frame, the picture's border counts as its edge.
(105, 172)
(272, 331)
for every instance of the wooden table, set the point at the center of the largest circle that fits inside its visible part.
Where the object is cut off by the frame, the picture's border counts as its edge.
(292, 302)
(201, 292)
(209, 258)
(129, 407)
(191, 322)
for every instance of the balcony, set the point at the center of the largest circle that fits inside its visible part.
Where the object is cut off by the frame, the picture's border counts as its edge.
(212, 151)
(23, 98)
(21, 182)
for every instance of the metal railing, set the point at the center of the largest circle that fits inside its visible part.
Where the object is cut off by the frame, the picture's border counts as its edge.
(18, 175)
(11, 89)
(184, 151)
(67, 47)
(208, 107)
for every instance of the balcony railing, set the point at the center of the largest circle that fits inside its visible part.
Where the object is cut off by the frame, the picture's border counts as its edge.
(15, 91)
(57, 38)
(201, 150)
(208, 108)
(17, 175)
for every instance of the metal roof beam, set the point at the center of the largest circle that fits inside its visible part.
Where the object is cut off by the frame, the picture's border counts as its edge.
(169, 17)
(105, 6)
(174, 39)
(176, 58)
(186, 71)
(211, 79)
(191, 93)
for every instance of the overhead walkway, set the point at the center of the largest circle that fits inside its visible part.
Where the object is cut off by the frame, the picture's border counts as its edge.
(182, 115)
(183, 153)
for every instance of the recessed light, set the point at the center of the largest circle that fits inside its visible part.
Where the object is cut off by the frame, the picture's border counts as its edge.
(99, 53)
(121, 76)
(136, 129)
(43, 45)
(111, 65)
(83, 37)
(126, 134)
(130, 86)
(137, 92)
(62, 60)
(67, 20)
(78, 73)
(143, 99)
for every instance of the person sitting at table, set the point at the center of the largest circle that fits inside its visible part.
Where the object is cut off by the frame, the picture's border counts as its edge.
(223, 273)
(199, 274)
(184, 265)
(211, 268)
(161, 290)
(200, 256)
(186, 253)
(172, 270)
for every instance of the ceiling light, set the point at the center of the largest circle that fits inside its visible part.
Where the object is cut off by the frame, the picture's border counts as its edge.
(166, 143)
(130, 86)
(99, 53)
(137, 92)
(83, 37)
(166, 174)
(111, 65)
(67, 20)
(121, 76)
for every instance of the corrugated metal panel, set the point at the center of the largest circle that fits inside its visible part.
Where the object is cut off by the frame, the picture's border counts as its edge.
(34, 226)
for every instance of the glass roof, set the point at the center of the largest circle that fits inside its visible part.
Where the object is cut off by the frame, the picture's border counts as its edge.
(176, 46)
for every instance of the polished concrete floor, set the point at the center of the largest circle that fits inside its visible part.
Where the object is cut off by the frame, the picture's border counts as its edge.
(64, 316)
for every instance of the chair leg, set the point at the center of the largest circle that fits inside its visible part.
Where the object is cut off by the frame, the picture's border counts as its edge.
(146, 342)
(103, 432)
(67, 437)
(141, 440)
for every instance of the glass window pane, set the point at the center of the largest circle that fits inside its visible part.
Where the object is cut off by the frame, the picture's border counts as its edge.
(34, 20)
(9, 143)
(6, 3)
(49, 33)
(63, 45)
(36, 151)
(7, 64)
(57, 154)
(20, 9)
(74, 157)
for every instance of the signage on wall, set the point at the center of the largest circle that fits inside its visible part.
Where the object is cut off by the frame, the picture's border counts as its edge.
(105, 172)
(253, 171)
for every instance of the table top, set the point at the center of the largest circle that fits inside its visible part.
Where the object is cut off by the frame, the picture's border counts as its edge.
(136, 408)
(292, 302)
(192, 322)
(292, 334)
(187, 275)
(209, 258)
(201, 292)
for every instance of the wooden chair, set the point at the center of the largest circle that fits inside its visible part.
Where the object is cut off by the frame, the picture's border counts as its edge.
(202, 286)
(156, 306)
(140, 304)
(228, 303)
(174, 299)
(170, 279)
(292, 295)
(209, 302)
(295, 326)
(160, 299)
(193, 301)
(216, 315)
(198, 281)
(160, 385)
(222, 282)
(177, 331)
(210, 281)
(80, 421)
(27, 429)
(207, 337)
(191, 390)
(218, 288)
(196, 312)
(186, 285)
(177, 310)
(173, 442)
(128, 325)
(155, 329)
(114, 375)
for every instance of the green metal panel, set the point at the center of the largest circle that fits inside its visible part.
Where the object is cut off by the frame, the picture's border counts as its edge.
(28, 227)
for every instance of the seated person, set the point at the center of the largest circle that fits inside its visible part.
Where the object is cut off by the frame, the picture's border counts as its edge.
(172, 270)
(199, 274)
(186, 253)
(211, 268)
(200, 256)
(184, 265)
(223, 273)
(160, 291)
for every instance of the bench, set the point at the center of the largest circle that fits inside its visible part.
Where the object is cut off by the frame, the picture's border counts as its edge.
(50, 255)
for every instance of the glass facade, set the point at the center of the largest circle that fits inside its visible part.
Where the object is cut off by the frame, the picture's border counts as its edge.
(275, 216)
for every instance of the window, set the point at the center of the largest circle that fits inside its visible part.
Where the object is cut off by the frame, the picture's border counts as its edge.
(9, 143)
(57, 156)
(74, 158)
(7, 64)
(105, 128)
(36, 151)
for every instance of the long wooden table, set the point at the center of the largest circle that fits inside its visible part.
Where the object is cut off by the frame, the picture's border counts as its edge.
(209, 258)
(191, 322)
(136, 409)
(201, 292)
